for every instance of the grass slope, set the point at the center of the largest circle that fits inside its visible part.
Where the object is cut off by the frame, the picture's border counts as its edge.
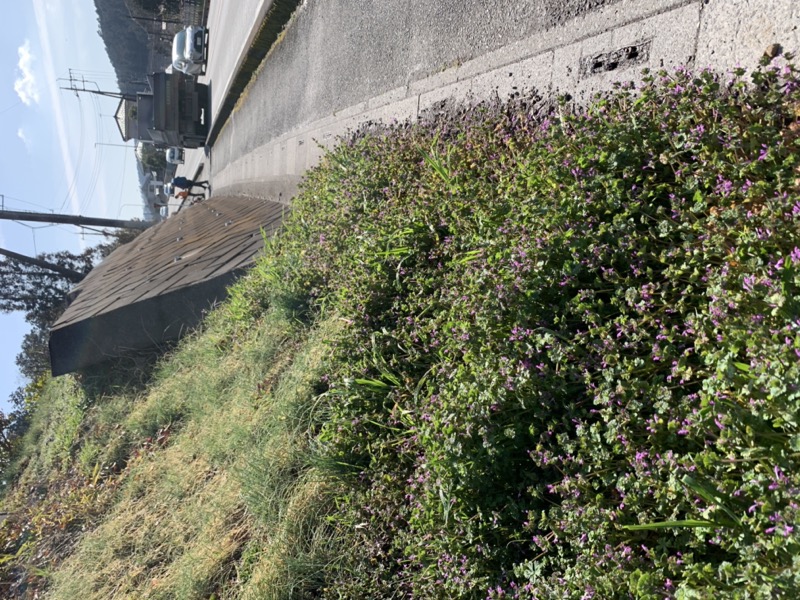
(503, 352)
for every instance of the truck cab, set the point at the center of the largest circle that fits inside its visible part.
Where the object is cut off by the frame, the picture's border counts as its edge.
(178, 115)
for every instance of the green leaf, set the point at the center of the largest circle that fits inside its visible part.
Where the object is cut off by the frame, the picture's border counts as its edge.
(372, 383)
(712, 496)
(468, 257)
(668, 524)
(402, 251)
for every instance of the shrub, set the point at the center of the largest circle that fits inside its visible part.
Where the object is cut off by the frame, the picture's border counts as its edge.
(575, 337)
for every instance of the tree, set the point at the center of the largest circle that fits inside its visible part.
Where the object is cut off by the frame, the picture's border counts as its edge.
(14, 424)
(34, 357)
(157, 6)
(43, 294)
(41, 291)
(38, 291)
(153, 159)
(126, 44)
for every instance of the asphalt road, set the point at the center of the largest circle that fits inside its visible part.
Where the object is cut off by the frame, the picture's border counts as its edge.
(339, 52)
(230, 33)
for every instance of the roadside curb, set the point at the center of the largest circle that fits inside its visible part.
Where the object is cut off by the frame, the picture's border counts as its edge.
(269, 32)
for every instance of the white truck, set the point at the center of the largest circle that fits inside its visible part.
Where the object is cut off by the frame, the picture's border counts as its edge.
(175, 155)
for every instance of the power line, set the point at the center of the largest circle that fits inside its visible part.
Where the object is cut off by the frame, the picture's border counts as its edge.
(73, 184)
(82, 85)
(23, 201)
(15, 105)
(98, 160)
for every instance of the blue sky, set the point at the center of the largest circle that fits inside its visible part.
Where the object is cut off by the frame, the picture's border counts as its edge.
(57, 147)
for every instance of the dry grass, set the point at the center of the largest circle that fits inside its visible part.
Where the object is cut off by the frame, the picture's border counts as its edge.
(170, 535)
(219, 497)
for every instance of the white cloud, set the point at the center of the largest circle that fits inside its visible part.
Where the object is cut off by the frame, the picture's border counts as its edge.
(24, 137)
(25, 84)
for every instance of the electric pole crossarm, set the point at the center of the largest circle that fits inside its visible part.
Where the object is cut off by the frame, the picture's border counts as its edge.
(73, 87)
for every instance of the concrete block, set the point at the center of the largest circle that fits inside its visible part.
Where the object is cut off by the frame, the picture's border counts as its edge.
(460, 91)
(497, 59)
(737, 32)
(291, 156)
(435, 81)
(351, 111)
(402, 110)
(387, 98)
(595, 64)
(566, 76)
(280, 162)
(672, 38)
(531, 74)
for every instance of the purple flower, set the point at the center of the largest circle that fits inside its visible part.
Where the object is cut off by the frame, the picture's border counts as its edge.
(763, 234)
(724, 186)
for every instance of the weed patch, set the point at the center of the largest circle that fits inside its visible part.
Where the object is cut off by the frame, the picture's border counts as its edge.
(573, 351)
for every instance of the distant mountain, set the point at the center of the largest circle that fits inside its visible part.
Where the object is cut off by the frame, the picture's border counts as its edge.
(126, 44)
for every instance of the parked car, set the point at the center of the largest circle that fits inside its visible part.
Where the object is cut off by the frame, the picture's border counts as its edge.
(175, 155)
(168, 189)
(189, 50)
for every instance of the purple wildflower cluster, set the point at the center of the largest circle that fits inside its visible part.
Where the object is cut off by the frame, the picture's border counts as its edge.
(575, 350)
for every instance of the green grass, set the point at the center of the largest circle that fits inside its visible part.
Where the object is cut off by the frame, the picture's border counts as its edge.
(232, 468)
(209, 462)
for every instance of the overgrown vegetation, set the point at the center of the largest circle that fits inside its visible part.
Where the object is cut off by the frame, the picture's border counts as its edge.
(154, 160)
(505, 352)
(126, 44)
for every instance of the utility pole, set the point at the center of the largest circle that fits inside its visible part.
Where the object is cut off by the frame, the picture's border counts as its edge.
(13, 215)
(29, 260)
(78, 84)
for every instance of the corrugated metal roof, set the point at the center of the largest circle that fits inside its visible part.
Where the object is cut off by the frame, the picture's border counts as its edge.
(203, 243)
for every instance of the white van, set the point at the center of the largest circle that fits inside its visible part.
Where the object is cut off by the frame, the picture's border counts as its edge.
(175, 155)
